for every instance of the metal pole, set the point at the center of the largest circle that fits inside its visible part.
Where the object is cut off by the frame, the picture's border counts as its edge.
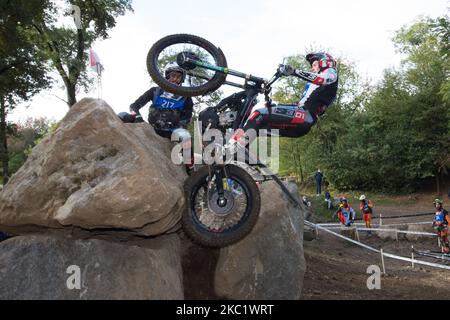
(412, 256)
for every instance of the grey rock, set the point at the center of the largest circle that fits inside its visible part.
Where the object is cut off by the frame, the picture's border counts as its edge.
(419, 228)
(95, 172)
(269, 262)
(36, 268)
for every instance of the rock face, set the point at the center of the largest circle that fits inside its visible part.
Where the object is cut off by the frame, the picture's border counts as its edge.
(268, 263)
(387, 235)
(39, 267)
(419, 228)
(95, 172)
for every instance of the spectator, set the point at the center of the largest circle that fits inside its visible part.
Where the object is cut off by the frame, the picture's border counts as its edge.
(345, 213)
(328, 200)
(366, 207)
(306, 202)
(318, 177)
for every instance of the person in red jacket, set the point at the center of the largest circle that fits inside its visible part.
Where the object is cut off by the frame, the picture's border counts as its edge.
(346, 213)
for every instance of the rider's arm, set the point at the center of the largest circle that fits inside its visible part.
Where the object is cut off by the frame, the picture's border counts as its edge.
(142, 101)
(327, 77)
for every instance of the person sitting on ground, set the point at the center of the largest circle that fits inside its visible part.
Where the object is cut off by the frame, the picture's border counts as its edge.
(345, 213)
(440, 224)
(306, 202)
(366, 207)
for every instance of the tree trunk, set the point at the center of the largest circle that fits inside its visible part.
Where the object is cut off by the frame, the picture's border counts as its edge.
(71, 95)
(3, 142)
(302, 179)
(438, 184)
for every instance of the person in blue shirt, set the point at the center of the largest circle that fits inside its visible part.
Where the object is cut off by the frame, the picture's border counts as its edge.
(168, 111)
(440, 224)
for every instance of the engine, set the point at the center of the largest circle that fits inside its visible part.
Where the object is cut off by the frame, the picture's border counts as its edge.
(227, 118)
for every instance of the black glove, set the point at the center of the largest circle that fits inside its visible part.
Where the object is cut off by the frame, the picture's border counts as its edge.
(286, 69)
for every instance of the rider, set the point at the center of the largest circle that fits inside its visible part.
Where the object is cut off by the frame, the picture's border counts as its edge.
(168, 111)
(440, 224)
(366, 207)
(296, 120)
(345, 212)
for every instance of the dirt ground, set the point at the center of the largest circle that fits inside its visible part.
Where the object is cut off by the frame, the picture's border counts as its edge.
(336, 269)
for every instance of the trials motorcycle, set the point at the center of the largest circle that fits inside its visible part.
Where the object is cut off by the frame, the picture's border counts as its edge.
(223, 199)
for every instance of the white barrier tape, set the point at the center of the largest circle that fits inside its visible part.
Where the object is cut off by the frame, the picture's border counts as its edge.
(387, 230)
(386, 225)
(408, 224)
(400, 231)
(435, 265)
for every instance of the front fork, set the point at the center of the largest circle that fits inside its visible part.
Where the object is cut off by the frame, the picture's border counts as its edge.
(217, 173)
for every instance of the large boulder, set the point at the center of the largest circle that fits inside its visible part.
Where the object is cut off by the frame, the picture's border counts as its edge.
(388, 235)
(43, 267)
(269, 262)
(428, 228)
(95, 172)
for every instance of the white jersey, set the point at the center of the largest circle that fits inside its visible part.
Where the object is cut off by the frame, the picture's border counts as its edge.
(316, 80)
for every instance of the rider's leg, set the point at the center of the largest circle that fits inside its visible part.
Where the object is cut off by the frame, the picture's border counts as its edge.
(290, 121)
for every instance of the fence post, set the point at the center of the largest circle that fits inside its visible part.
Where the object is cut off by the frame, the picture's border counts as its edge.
(382, 261)
(357, 234)
(381, 221)
(412, 256)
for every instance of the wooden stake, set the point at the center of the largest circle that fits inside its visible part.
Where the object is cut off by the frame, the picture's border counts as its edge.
(412, 256)
(382, 261)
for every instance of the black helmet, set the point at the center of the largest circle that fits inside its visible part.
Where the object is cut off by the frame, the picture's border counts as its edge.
(325, 60)
(173, 67)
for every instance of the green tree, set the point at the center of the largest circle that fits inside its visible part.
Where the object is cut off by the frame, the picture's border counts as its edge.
(67, 47)
(24, 137)
(427, 70)
(22, 73)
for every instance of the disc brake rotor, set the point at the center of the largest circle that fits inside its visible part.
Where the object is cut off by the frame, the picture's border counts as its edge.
(222, 206)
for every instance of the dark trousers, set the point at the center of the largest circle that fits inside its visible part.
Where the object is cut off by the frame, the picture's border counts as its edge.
(291, 121)
(319, 187)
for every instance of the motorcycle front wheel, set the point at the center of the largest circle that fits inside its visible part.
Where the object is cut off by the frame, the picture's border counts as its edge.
(213, 221)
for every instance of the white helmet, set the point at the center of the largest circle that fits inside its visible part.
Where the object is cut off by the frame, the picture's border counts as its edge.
(362, 198)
